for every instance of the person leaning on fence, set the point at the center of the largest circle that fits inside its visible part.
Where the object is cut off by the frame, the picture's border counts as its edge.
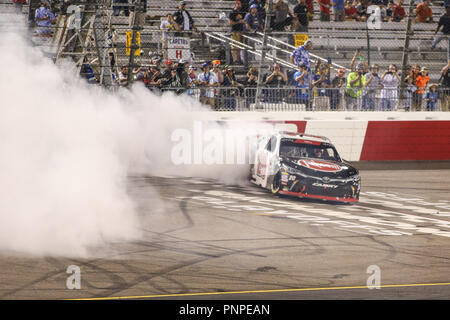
(250, 84)
(337, 83)
(301, 82)
(232, 88)
(192, 81)
(210, 80)
(444, 81)
(236, 19)
(410, 89)
(183, 20)
(444, 21)
(373, 84)
(431, 97)
(421, 83)
(355, 83)
(275, 78)
(321, 82)
(390, 81)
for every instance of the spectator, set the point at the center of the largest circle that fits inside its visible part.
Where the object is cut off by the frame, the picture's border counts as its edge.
(301, 20)
(253, 20)
(399, 14)
(168, 27)
(444, 21)
(123, 76)
(207, 79)
(251, 83)
(153, 77)
(245, 5)
(44, 19)
(361, 9)
(421, 83)
(390, 81)
(324, 7)
(321, 81)
(389, 12)
(355, 82)
(301, 81)
(230, 95)
(192, 81)
(300, 55)
(339, 10)
(445, 87)
(261, 7)
(216, 69)
(183, 19)
(282, 16)
(87, 72)
(423, 12)
(409, 93)
(116, 9)
(237, 23)
(310, 11)
(431, 97)
(373, 84)
(337, 83)
(275, 78)
(167, 74)
(351, 13)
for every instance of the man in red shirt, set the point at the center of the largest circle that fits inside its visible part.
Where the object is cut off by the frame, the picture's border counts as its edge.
(324, 10)
(399, 12)
(423, 12)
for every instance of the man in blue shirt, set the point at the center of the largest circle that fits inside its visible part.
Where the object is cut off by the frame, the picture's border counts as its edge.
(253, 20)
(44, 19)
(301, 81)
(301, 55)
(339, 10)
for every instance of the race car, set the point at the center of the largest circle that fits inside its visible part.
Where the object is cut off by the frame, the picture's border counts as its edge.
(305, 166)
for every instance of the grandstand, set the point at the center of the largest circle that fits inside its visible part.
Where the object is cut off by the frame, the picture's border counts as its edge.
(332, 40)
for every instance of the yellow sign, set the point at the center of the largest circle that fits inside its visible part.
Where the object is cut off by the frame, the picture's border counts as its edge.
(138, 42)
(300, 39)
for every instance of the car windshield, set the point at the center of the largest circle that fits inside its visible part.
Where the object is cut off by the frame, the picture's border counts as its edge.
(293, 148)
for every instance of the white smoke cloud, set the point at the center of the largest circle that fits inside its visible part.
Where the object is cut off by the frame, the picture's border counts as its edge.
(67, 148)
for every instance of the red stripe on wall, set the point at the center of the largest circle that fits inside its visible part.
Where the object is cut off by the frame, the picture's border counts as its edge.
(301, 125)
(407, 140)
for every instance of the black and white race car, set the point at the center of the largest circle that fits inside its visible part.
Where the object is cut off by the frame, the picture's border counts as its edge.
(305, 166)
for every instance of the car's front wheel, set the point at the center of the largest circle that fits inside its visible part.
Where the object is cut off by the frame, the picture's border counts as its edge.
(276, 183)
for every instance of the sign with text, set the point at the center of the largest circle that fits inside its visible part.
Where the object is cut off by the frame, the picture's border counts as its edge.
(300, 39)
(178, 48)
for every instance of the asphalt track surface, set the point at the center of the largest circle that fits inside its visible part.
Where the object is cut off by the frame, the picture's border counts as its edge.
(206, 240)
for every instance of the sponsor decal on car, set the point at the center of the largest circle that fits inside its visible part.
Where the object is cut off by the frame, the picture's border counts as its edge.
(324, 185)
(320, 165)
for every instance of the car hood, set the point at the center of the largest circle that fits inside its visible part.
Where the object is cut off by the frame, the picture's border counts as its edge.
(317, 167)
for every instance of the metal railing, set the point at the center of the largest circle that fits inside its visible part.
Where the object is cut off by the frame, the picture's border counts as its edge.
(315, 99)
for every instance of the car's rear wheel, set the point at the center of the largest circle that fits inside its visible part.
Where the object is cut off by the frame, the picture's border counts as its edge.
(276, 184)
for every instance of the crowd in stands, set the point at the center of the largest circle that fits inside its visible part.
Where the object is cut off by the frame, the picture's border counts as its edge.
(362, 87)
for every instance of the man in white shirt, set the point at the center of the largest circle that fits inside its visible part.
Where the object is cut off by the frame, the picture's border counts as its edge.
(390, 81)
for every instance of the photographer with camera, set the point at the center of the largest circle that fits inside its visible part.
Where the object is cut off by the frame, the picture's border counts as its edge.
(353, 93)
(373, 84)
(390, 82)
